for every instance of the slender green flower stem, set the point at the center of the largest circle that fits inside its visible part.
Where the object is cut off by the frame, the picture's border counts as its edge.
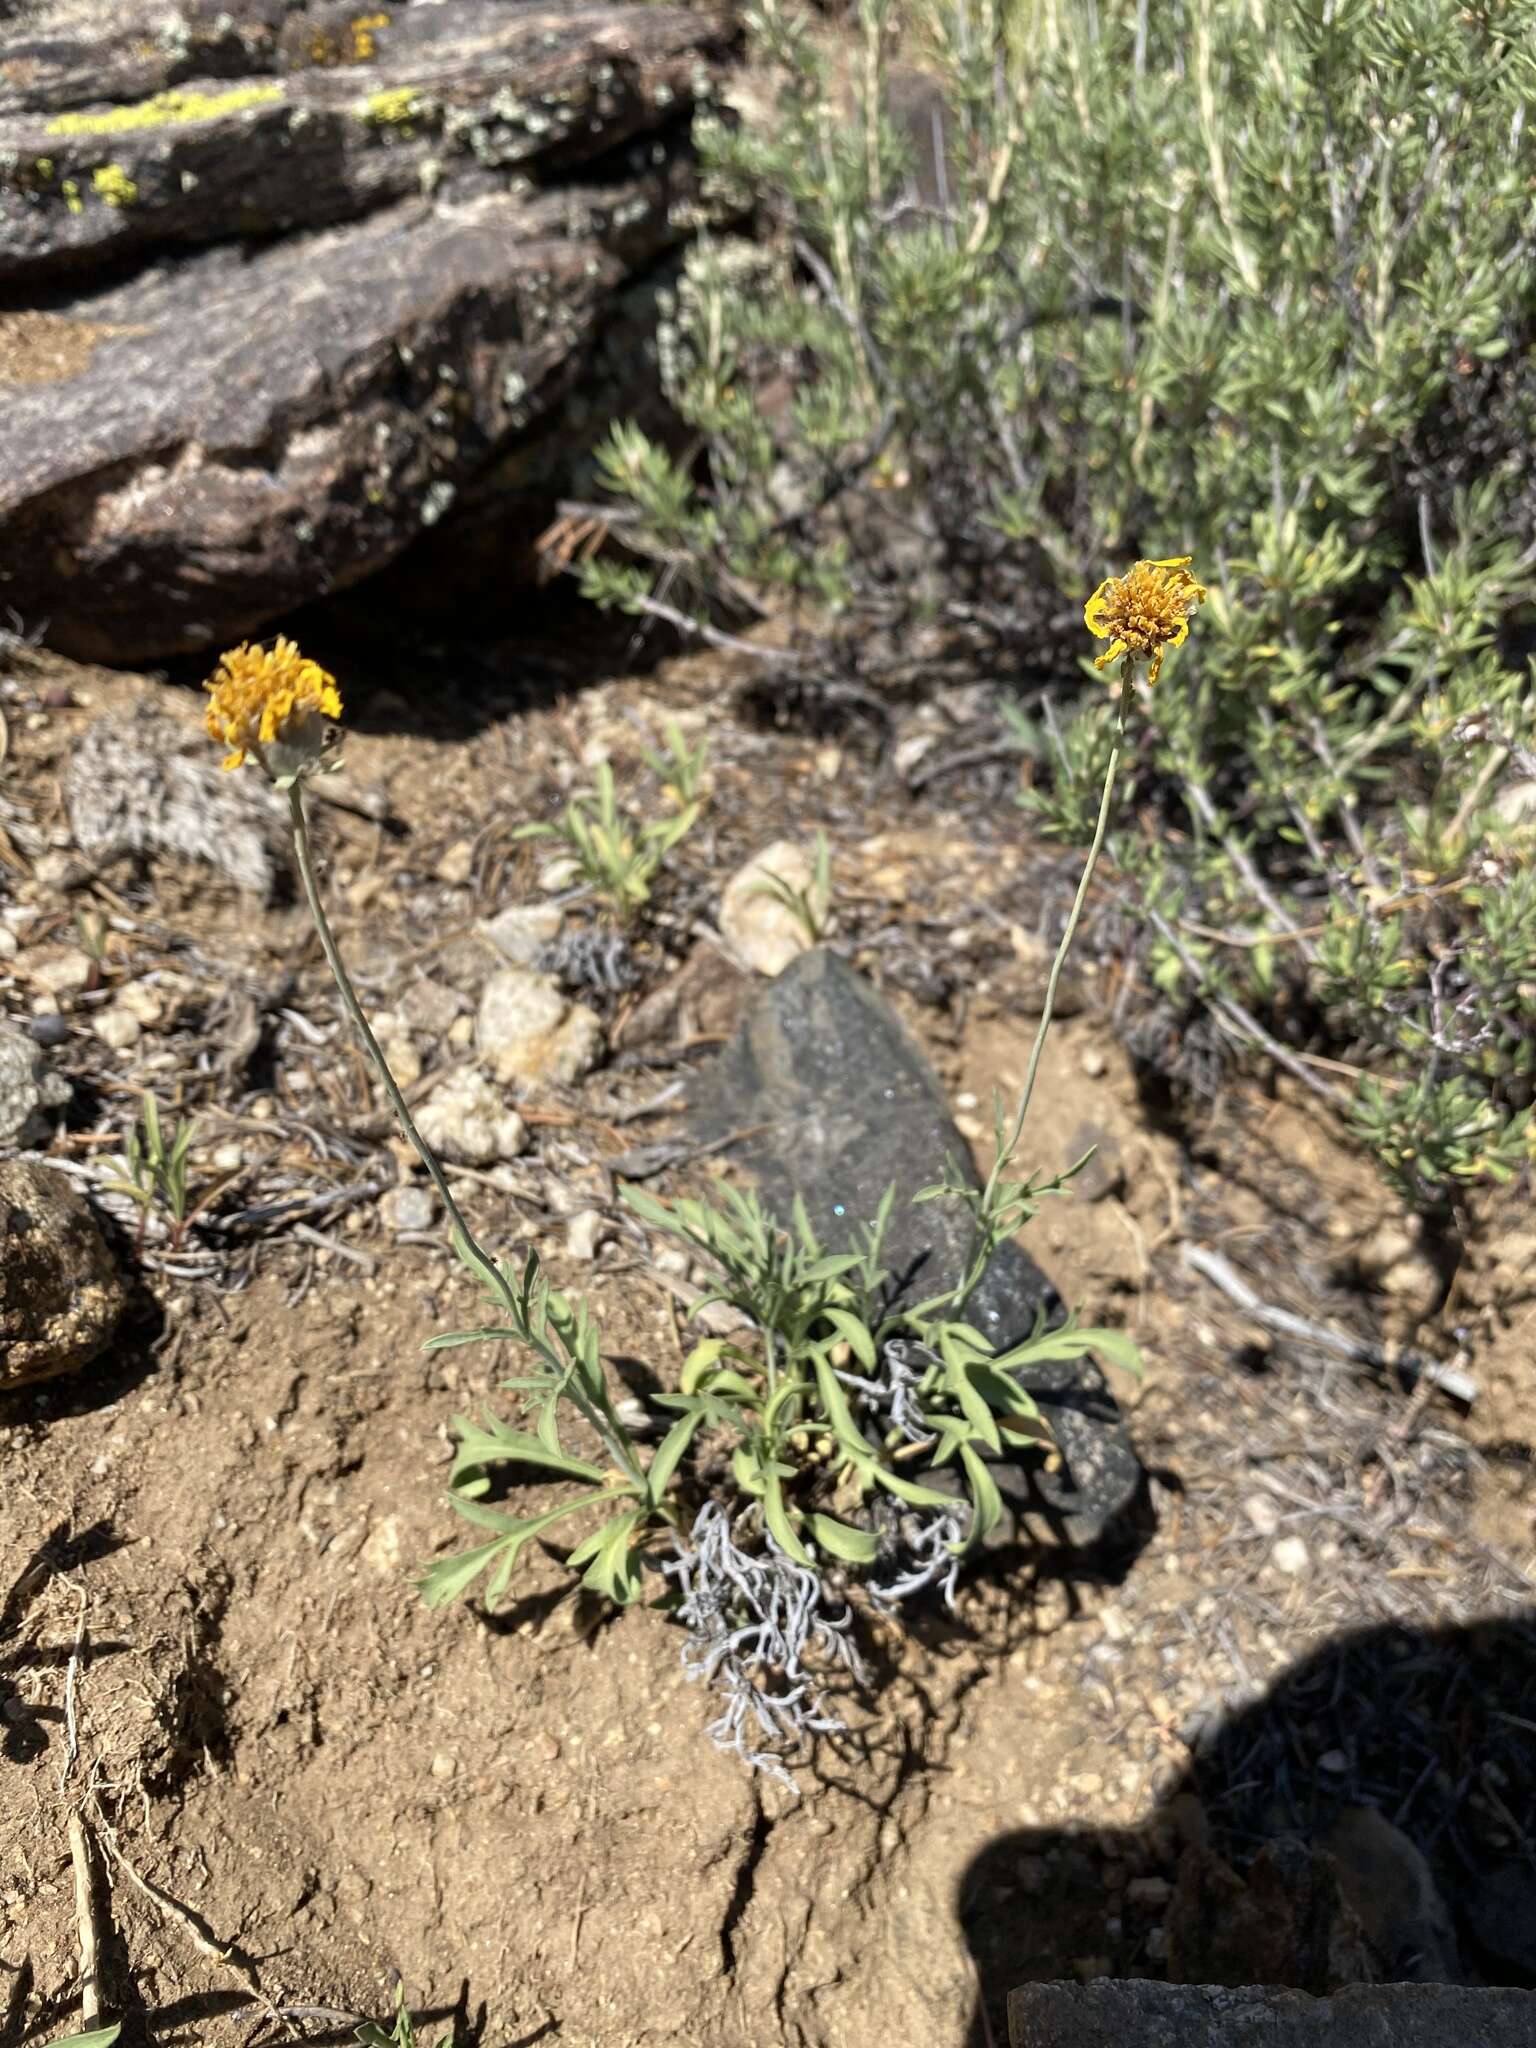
(354, 1010)
(614, 1439)
(1049, 1006)
(956, 1299)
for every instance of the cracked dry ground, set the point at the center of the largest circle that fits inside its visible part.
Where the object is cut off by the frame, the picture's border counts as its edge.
(304, 1781)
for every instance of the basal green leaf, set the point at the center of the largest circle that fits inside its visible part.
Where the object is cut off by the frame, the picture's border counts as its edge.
(494, 1443)
(986, 1502)
(776, 1515)
(669, 1455)
(910, 1489)
(856, 1334)
(448, 1578)
(854, 1546)
(973, 1406)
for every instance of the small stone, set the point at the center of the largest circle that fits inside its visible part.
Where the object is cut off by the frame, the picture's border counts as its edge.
(461, 1033)
(227, 1158)
(62, 974)
(117, 1028)
(141, 1001)
(9, 944)
(1093, 1062)
(529, 1033)
(432, 1006)
(1263, 1513)
(444, 1766)
(397, 1046)
(1290, 1555)
(402, 1059)
(584, 1233)
(544, 1745)
(383, 1549)
(522, 931)
(762, 929)
(457, 863)
(1088, 1783)
(28, 1088)
(1333, 1760)
(466, 1119)
(407, 1209)
(465, 963)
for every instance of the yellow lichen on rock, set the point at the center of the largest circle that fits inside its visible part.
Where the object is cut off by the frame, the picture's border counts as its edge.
(112, 184)
(166, 109)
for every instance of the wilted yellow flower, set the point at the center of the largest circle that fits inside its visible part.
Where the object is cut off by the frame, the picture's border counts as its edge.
(273, 703)
(1143, 612)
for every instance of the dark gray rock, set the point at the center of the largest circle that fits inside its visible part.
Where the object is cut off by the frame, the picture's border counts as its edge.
(1138, 2014)
(839, 1105)
(199, 446)
(61, 1296)
(333, 120)
(68, 53)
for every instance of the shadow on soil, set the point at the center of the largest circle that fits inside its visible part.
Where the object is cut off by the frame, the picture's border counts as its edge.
(449, 650)
(1367, 1819)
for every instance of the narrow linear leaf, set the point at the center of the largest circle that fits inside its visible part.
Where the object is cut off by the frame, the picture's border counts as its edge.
(669, 1455)
(986, 1501)
(854, 1546)
(780, 1528)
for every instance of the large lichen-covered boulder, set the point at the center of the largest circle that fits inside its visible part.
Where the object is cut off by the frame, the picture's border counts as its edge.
(61, 1296)
(266, 323)
(335, 118)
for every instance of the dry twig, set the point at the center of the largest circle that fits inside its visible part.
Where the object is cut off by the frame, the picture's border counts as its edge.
(1460, 1386)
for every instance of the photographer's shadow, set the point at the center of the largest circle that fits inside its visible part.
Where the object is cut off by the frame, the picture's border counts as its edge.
(1371, 1819)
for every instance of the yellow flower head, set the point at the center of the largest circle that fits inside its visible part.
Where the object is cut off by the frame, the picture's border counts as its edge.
(1143, 612)
(272, 703)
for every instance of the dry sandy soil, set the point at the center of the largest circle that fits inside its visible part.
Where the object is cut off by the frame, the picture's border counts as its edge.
(300, 1781)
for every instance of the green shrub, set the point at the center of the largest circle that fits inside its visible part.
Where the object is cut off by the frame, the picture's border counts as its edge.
(1251, 280)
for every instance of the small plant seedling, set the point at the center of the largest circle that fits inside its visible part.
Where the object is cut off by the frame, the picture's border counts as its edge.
(679, 768)
(402, 2034)
(811, 908)
(617, 859)
(150, 1170)
(91, 931)
(97, 2037)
